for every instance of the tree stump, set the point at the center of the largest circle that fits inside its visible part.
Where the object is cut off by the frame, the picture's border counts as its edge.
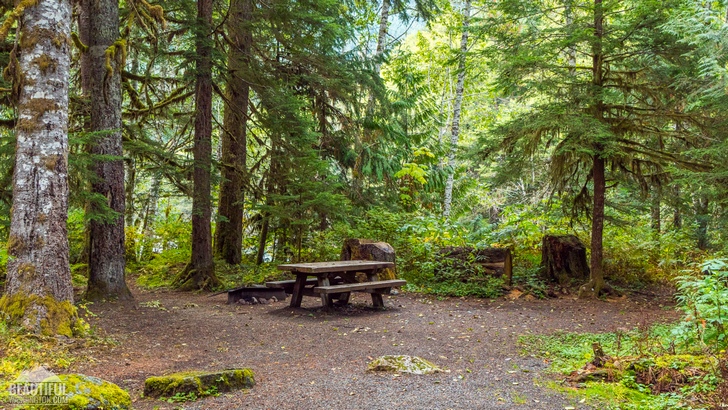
(563, 258)
(466, 263)
(364, 249)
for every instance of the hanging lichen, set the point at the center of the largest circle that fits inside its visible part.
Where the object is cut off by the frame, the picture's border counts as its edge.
(14, 16)
(79, 44)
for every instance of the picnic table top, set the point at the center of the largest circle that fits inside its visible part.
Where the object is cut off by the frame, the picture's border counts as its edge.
(334, 266)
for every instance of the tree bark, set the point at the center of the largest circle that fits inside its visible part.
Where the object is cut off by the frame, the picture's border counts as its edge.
(102, 63)
(229, 234)
(38, 290)
(455, 135)
(200, 273)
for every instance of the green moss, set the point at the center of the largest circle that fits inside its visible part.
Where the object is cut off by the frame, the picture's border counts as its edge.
(198, 383)
(14, 17)
(45, 63)
(79, 44)
(403, 364)
(83, 391)
(60, 317)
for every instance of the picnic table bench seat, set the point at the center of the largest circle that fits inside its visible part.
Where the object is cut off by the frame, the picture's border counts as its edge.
(342, 291)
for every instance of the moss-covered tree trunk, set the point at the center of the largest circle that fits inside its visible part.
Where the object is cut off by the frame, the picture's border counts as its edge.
(229, 233)
(102, 63)
(200, 273)
(38, 291)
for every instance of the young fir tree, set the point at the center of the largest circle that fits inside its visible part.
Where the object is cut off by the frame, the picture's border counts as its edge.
(38, 291)
(594, 81)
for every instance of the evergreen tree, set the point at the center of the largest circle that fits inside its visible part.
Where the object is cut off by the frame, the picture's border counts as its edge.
(601, 117)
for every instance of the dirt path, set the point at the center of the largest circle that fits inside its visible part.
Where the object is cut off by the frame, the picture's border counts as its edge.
(308, 359)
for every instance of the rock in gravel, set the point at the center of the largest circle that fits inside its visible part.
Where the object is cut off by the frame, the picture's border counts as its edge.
(199, 383)
(403, 364)
(91, 393)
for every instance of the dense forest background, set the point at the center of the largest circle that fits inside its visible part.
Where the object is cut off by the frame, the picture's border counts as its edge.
(423, 124)
(196, 145)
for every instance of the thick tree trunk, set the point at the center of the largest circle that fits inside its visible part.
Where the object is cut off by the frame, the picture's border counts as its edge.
(103, 62)
(200, 273)
(455, 135)
(38, 290)
(229, 234)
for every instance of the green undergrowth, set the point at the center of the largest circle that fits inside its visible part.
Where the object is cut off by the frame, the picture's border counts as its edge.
(690, 374)
(160, 271)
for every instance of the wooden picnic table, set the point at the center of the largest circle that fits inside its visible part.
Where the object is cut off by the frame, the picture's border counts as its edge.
(325, 272)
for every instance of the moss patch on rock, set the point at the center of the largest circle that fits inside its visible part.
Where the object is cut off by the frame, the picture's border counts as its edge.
(43, 315)
(81, 392)
(403, 364)
(199, 383)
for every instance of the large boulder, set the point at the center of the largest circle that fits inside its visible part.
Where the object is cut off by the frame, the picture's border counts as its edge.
(364, 249)
(198, 383)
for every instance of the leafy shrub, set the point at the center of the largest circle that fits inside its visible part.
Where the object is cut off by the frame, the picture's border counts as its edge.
(704, 300)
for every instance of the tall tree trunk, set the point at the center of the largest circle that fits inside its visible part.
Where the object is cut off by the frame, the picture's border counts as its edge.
(200, 273)
(38, 290)
(103, 62)
(229, 234)
(596, 278)
(455, 135)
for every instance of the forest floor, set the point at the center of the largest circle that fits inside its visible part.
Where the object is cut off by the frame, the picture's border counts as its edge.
(309, 359)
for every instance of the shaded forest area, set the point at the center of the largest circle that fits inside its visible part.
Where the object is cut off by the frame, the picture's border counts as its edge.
(196, 145)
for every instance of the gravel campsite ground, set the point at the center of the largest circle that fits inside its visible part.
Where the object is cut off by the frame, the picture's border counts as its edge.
(310, 359)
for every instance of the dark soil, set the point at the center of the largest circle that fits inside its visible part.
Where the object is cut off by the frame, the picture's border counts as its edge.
(309, 359)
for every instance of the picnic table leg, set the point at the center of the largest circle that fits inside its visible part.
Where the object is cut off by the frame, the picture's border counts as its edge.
(377, 299)
(325, 298)
(297, 295)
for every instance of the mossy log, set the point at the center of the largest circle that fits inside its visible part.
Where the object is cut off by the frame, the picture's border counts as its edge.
(199, 383)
